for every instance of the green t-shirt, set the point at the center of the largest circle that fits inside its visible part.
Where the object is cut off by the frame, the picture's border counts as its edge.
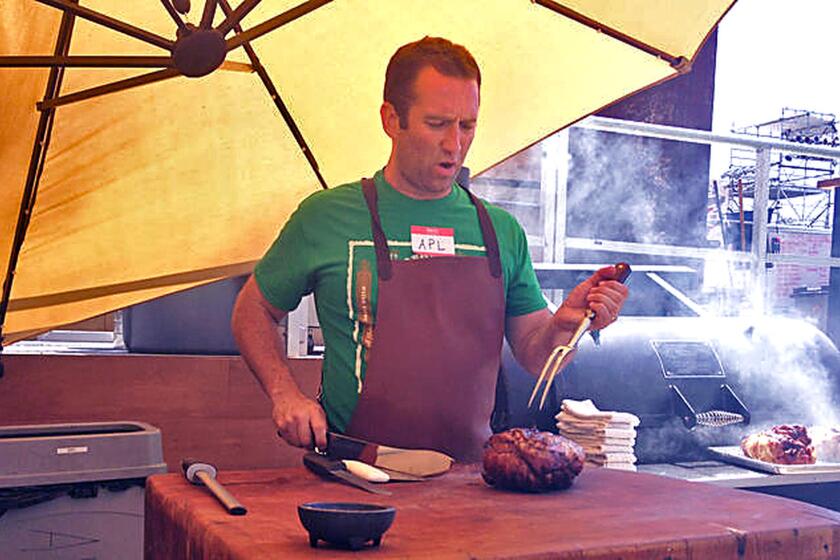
(326, 247)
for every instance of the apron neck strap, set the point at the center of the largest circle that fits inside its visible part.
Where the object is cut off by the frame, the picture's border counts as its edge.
(491, 244)
(380, 242)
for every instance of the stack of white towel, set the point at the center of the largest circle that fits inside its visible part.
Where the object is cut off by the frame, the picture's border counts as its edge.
(607, 437)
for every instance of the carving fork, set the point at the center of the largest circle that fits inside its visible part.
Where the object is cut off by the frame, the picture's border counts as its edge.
(559, 353)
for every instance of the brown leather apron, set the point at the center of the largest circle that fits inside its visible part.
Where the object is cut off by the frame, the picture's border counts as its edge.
(431, 372)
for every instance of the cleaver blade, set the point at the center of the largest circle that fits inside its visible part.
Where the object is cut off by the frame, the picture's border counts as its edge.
(326, 466)
(416, 462)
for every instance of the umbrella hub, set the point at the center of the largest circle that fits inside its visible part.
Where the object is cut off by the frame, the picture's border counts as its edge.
(198, 52)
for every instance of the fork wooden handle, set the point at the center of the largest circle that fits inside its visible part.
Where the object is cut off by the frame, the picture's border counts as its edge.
(623, 271)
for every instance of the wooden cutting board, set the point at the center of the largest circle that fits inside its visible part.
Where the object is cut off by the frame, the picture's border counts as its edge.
(606, 514)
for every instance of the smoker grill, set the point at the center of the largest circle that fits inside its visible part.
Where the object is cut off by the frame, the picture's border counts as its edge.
(693, 382)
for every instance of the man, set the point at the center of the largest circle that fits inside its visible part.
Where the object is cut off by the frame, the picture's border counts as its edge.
(415, 282)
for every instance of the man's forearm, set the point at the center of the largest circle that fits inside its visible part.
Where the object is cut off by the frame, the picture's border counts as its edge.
(541, 344)
(255, 331)
(536, 345)
(299, 419)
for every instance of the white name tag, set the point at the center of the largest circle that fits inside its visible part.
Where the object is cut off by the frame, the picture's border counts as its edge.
(432, 241)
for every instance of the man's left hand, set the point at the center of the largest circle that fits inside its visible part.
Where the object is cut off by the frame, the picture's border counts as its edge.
(601, 292)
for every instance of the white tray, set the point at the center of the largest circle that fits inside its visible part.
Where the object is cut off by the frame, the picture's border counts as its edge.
(733, 454)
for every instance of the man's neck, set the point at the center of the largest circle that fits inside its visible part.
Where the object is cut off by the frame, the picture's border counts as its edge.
(402, 186)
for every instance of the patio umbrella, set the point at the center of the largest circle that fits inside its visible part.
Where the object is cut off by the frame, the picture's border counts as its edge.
(143, 152)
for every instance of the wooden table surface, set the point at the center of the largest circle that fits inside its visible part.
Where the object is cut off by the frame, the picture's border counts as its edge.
(606, 514)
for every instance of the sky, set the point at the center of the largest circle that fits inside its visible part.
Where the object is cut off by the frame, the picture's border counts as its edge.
(774, 54)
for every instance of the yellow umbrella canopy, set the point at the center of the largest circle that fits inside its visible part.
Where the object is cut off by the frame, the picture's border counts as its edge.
(124, 179)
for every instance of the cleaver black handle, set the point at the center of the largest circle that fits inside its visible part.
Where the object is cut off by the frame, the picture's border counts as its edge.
(321, 464)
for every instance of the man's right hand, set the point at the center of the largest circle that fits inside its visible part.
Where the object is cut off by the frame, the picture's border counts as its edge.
(300, 421)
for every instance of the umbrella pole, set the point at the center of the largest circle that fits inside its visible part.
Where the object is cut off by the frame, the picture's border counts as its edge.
(36, 166)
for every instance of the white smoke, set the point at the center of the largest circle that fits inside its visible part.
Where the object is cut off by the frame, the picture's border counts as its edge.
(788, 366)
(624, 184)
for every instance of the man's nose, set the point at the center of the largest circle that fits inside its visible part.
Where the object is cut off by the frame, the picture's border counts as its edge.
(452, 139)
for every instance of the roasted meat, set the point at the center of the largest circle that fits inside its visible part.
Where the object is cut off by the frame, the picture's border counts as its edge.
(783, 444)
(529, 460)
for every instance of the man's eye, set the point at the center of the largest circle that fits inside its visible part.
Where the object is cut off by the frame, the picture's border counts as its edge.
(436, 124)
(468, 126)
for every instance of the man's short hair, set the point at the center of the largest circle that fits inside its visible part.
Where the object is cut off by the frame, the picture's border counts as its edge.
(443, 55)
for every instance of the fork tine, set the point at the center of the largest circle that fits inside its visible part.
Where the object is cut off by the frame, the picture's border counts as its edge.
(538, 383)
(545, 369)
(555, 367)
(546, 387)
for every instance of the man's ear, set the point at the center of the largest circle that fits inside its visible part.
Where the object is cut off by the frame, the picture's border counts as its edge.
(390, 119)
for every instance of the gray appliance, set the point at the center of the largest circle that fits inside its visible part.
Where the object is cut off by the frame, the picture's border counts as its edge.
(75, 491)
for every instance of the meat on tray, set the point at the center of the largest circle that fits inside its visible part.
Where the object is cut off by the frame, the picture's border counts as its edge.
(529, 460)
(784, 444)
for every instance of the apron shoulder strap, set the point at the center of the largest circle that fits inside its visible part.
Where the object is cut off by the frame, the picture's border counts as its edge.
(491, 243)
(380, 242)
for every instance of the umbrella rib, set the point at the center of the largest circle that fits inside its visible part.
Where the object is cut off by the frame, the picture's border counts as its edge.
(278, 101)
(163, 281)
(108, 88)
(233, 19)
(106, 62)
(679, 63)
(86, 61)
(207, 16)
(170, 9)
(111, 23)
(277, 21)
(36, 166)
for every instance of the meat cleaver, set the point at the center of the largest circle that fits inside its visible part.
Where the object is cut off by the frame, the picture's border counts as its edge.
(393, 460)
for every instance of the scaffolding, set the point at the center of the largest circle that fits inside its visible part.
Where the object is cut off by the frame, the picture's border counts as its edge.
(795, 199)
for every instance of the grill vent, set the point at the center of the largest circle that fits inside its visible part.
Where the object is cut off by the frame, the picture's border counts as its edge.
(684, 358)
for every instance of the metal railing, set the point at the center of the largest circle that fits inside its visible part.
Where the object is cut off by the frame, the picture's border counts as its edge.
(758, 255)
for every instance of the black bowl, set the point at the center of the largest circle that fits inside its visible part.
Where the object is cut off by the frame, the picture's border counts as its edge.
(345, 524)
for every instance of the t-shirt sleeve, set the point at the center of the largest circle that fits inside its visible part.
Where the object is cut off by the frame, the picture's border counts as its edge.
(523, 292)
(284, 274)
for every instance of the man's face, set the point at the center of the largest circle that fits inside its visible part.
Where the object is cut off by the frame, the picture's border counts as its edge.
(441, 125)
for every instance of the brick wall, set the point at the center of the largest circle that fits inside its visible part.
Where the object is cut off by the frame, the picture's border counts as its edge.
(783, 280)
